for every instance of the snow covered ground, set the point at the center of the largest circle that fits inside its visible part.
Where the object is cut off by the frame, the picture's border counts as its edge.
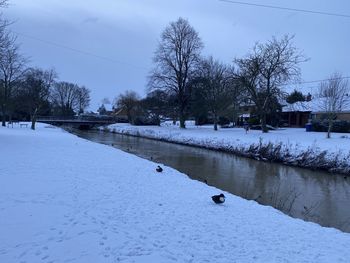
(65, 199)
(294, 141)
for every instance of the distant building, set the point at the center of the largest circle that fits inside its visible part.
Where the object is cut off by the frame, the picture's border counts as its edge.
(300, 113)
(296, 115)
(121, 112)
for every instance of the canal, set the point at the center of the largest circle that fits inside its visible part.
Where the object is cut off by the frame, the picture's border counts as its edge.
(314, 196)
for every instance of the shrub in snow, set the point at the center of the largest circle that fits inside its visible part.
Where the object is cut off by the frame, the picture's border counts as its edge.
(338, 126)
(224, 121)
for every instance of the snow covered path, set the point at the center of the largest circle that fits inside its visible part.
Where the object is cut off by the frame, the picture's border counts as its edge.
(64, 199)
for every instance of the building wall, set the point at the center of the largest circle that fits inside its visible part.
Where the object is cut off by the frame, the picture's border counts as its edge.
(296, 119)
(342, 116)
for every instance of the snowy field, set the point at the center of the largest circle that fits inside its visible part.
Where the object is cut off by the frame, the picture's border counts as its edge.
(65, 199)
(294, 142)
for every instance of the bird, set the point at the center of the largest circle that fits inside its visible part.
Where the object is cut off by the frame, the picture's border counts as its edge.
(205, 181)
(159, 169)
(218, 199)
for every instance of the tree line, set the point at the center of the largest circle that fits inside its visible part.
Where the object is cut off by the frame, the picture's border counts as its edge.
(26, 92)
(185, 84)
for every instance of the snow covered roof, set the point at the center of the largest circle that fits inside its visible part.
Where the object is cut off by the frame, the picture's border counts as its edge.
(108, 107)
(298, 106)
(309, 106)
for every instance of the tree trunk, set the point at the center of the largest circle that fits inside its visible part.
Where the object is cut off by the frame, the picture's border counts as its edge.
(215, 123)
(330, 125)
(10, 118)
(33, 123)
(182, 120)
(235, 115)
(128, 114)
(3, 119)
(263, 123)
(33, 119)
(182, 116)
(158, 120)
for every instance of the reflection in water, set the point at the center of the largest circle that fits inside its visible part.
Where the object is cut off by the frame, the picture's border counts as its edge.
(315, 196)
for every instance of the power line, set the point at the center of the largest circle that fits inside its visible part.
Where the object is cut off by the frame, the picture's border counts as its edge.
(78, 50)
(287, 8)
(315, 81)
(134, 66)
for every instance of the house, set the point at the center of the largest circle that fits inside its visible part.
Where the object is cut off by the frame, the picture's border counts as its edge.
(302, 112)
(106, 109)
(341, 116)
(296, 115)
(319, 114)
(245, 112)
(120, 113)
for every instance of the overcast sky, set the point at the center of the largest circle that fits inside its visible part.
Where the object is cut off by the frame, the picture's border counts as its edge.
(126, 32)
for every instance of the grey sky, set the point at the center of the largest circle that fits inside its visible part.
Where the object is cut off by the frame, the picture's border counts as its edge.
(127, 31)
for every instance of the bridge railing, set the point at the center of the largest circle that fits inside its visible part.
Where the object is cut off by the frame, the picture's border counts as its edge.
(105, 119)
(55, 118)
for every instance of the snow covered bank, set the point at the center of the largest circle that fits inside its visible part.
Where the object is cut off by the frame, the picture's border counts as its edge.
(290, 146)
(65, 199)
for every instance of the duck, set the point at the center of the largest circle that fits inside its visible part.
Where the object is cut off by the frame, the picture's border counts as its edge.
(159, 169)
(218, 199)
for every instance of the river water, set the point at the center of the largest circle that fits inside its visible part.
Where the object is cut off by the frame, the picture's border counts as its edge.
(310, 195)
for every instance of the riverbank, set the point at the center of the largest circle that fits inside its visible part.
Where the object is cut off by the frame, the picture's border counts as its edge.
(291, 146)
(65, 199)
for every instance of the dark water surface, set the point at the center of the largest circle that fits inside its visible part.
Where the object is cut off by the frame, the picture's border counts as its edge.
(311, 195)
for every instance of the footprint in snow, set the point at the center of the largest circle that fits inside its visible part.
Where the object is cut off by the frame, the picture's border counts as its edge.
(45, 257)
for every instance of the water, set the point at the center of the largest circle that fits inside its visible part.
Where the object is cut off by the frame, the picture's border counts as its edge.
(310, 195)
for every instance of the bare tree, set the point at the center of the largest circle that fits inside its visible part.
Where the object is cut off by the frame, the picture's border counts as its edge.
(266, 69)
(238, 93)
(83, 98)
(156, 104)
(11, 70)
(333, 97)
(105, 101)
(215, 87)
(128, 101)
(3, 3)
(35, 90)
(177, 54)
(64, 97)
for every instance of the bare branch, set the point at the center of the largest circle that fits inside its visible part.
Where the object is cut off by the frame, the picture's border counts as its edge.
(177, 54)
(333, 97)
(264, 72)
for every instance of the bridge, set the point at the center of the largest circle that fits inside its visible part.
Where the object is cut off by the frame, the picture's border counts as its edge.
(80, 122)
